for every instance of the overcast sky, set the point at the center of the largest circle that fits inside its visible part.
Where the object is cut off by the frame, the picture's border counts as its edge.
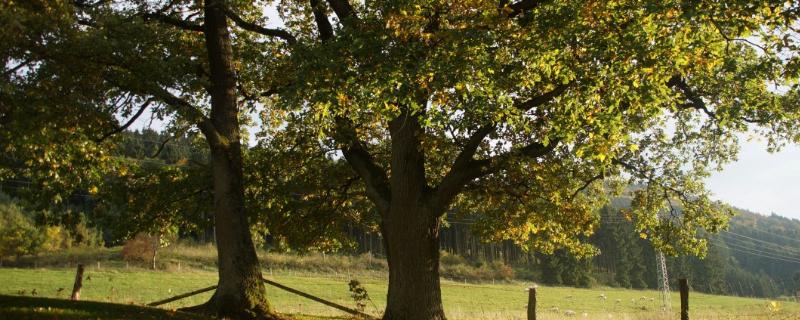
(760, 181)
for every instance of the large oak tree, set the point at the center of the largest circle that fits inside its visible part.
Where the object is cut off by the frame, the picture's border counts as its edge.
(527, 112)
(531, 113)
(71, 68)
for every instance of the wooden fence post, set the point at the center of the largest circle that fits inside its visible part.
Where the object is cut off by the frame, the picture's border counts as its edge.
(684, 284)
(532, 303)
(76, 289)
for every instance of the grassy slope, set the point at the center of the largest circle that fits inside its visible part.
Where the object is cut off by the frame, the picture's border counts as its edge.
(462, 301)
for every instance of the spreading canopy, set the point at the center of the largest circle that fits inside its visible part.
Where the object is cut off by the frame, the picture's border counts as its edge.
(533, 112)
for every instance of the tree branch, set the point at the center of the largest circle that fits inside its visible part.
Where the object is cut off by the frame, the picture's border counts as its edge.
(128, 123)
(543, 98)
(494, 164)
(695, 101)
(599, 176)
(651, 179)
(249, 26)
(160, 147)
(164, 142)
(356, 154)
(192, 114)
(173, 21)
(465, 168)
(321, 18)
(461, 174)
(83, 4)
(729, 39)
(462, 170)
(17, 67)
(521, 7)
(343, 10)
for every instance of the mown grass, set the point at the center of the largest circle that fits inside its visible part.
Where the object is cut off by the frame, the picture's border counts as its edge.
(462, 301)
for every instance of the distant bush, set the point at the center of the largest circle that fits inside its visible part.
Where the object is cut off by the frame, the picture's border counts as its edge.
(483, 271)
(18, 235)
(140, 248)
(54, 238)
(449, 259)
(84, 236)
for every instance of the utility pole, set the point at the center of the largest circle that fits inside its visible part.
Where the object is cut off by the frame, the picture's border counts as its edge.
(663, 281)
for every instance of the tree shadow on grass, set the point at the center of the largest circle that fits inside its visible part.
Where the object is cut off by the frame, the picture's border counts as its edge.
(17, 307)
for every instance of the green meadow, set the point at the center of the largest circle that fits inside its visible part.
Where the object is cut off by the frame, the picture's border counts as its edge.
(507, 300)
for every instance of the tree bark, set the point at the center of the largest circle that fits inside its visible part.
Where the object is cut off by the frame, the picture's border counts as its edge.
(240, 293)
(411, 230)
(412, 251)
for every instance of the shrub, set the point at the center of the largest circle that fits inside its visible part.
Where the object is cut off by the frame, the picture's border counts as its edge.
(18, 236)
(359, 295)
(84, 236)
(502, 271)
(140, 248)
(449, 259)
(54, 238)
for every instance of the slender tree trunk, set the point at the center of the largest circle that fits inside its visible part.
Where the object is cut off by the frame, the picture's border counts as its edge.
(156, 243)
(240, 293)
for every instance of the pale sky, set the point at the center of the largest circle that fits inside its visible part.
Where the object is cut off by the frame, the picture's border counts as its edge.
(760, 181)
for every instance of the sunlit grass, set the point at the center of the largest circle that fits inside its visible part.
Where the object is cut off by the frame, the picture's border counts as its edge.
(462, 301)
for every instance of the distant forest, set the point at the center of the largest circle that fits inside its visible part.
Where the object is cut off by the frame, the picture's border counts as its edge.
(756, 256)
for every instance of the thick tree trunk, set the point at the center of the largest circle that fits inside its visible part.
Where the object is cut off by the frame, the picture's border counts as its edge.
(411, 230)
(240, 293)
(412, 246)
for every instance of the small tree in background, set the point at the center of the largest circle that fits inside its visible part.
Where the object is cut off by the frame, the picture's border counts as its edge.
(18, 235)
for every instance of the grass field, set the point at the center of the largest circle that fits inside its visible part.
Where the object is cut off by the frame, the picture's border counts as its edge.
(462, 301)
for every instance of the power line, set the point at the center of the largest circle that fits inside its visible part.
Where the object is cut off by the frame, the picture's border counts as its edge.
(771, 253)
(769, 233)
(777, 249)
(775, 246)
(755, 253)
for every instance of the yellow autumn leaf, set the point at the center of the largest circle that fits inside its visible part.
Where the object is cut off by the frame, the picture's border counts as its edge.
(600, 156)
(342, 98)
